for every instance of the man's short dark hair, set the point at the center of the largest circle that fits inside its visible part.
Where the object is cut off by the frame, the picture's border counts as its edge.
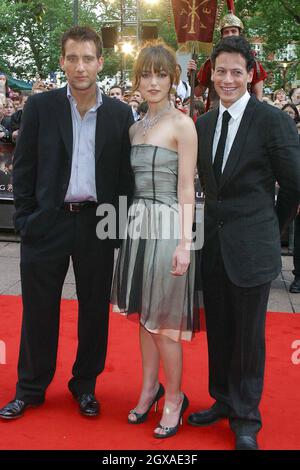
(234, 44)
(119, 87)
(82, 33)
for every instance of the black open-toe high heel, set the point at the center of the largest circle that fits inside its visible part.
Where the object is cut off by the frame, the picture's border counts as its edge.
(168, 432)
(141, 417)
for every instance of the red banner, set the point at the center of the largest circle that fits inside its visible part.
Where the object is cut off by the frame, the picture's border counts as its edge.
(195, 21)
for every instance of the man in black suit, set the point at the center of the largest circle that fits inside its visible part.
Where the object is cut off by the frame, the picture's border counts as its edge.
(72, 155)
(244, 147)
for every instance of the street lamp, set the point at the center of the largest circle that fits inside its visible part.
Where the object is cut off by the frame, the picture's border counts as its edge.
(284, 66)
(127, 48)
(134, 20)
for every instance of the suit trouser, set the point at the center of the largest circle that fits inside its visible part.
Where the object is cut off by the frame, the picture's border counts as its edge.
(44, 264)
(235, 320)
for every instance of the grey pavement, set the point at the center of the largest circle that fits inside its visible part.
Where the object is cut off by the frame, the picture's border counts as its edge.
(280, 299)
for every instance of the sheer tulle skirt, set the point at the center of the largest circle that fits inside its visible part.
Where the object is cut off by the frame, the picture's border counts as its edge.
(143, 283)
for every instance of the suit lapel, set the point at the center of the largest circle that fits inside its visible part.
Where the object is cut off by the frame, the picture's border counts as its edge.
(239, 141)
(209, 133)
(101, 128)
(65, 120)
(65, 123)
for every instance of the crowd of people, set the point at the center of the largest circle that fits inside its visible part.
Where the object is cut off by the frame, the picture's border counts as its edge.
(11, 107)
(12, 103)
(79, 149)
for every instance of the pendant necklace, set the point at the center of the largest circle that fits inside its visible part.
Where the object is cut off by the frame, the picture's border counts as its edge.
(148, 123)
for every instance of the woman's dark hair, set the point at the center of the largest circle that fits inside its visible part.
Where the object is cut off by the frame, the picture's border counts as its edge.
(292, 91)
(295, 109)
(119, 87)
(234, 44)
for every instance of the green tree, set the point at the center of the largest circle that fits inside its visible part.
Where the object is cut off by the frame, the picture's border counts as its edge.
(31, 31)
(277, 23)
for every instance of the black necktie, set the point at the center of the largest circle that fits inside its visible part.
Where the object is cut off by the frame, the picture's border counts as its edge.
(218, 161)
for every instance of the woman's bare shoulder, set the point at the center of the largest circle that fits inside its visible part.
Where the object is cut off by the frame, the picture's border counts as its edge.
(181, 120)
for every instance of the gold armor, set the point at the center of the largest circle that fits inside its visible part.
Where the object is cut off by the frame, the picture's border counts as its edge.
(230, 20)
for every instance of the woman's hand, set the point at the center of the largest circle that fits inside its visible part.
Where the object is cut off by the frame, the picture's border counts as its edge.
(181, 260)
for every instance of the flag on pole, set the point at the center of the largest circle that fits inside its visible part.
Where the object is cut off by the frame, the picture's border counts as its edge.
(194, 24)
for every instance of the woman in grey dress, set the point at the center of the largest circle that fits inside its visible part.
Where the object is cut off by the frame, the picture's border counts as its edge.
(155, 269)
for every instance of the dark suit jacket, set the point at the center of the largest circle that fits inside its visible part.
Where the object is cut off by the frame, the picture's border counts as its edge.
(242, 212)
(43, 157)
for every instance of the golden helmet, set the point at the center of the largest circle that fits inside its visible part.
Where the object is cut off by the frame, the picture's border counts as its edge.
(230, 20)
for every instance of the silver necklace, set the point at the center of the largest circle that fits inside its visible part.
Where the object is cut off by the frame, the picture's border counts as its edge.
(148, 123)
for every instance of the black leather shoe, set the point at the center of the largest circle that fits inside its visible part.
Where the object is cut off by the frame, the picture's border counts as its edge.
(15, 409)
(210, 416)
(88, 405)
(246, 442)
(295, 286)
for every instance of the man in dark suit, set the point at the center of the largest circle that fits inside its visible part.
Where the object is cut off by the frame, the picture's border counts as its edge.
(72, 155)
(244, 147)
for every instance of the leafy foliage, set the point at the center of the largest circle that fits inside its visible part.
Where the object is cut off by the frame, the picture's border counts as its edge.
(277, 22)
(31, 29)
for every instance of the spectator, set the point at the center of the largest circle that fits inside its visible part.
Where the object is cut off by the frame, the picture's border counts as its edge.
(142, 109)
(199, 109)
(267, 99)
(38, 87)
(295, 97)
(279, 98)
(134, 104)
(1, 112)
(179, 104)
(4, 90)
(116, 91)
(127, 96)
(183, 89)
(16, 117)
(230, 25)
(137, 95)
(173, 96)
(9, 110)
(293, 112)
(4, 133)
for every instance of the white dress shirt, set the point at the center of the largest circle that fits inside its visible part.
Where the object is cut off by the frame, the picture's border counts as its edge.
(236, 111)
(82, 184)
(182, 91)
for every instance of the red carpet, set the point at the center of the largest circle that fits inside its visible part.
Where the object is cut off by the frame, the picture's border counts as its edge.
(58, 425)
